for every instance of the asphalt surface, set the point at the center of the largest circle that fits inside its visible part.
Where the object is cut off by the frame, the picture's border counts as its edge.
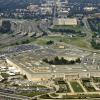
(87, 29)
(13, 96)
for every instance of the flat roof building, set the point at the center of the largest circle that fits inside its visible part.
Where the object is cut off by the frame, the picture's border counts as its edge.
(65, 21)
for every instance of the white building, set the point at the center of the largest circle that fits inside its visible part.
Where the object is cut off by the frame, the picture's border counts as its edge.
(89, 8)
(65, 21)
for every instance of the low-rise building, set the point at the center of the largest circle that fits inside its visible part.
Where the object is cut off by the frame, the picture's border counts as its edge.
(65, 21)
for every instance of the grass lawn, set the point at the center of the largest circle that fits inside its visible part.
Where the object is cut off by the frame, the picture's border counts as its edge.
(76, 87)
(54, 95)
(40, 41)
(5, 75)
(77, 41)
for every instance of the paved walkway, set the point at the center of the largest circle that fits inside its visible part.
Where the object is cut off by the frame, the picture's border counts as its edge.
(72, 91)
(60, 95)
(83, 93)
(57, 87)
(84, 89)
(96, 88)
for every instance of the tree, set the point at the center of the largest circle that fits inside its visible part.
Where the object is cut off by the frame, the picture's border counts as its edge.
(50, 42)
(56, 60)
(45, 60)
(78, 60)
(26, 41)
(72, 62)
(63, 61)
(25, 77)
(6, 26)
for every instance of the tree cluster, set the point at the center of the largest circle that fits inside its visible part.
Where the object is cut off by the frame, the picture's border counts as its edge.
(22, 42)
(95, 24)
(6, 27)
(50, 42)
(61, 61)
(95, 45)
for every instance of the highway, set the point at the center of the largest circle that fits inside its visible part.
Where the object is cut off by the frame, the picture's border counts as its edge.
(13, 96)
(87, 29)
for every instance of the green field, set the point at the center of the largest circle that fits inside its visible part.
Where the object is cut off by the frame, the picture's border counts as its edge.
(40, 41)
(76, 41)
(76, 87)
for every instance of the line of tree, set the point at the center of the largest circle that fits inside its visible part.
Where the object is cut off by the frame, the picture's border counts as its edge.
(95, 24)
(61, 61)
(22, 42)
(64, 31)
